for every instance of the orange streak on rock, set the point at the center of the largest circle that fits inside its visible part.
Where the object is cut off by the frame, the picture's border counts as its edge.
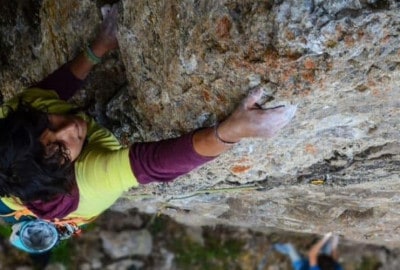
(240, 169)
(311, 149)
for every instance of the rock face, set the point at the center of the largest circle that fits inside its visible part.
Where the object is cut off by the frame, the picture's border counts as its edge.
(186, 64)
(127, 243)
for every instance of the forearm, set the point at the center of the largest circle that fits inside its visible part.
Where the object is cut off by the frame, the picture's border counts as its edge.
(81, 65)
(105, 41)
(314, 251)
(206, 141)
(69, 78)
(313, 257)
(62, 81)
(165, 160)
(316, 248)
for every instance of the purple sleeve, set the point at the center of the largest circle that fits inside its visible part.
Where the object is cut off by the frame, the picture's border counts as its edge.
(62, 81)
(164, 160)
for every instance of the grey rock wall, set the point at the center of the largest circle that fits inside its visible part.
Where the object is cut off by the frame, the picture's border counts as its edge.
(186, 64)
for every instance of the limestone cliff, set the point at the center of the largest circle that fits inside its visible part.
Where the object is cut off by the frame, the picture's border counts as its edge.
(186, 64)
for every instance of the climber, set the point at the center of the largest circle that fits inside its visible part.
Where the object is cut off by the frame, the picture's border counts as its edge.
(58, 165)
(322, 255)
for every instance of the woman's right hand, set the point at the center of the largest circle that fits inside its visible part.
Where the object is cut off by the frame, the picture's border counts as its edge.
(250, 120)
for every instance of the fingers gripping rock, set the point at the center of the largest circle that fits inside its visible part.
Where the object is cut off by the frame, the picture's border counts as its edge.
(290, 111)
(105, 10)
(253, 97)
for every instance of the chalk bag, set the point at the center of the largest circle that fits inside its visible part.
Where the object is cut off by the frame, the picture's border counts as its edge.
(34, 236)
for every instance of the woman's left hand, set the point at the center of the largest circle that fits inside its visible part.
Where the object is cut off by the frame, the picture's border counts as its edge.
(106, 39)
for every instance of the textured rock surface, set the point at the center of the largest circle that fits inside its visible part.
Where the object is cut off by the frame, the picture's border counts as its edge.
(183, 65)
(127, 243)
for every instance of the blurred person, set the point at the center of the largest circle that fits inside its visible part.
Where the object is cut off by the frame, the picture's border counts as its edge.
(322, 256)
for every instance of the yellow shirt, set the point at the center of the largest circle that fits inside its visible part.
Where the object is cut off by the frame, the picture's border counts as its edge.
(102, 170)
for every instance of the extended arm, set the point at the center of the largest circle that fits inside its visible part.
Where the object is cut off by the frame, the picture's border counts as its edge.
(165, 160)
(105, 41)
(335, 252)
(316, 248)
(68, 79)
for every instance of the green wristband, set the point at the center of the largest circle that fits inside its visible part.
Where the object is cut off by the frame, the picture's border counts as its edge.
(91, 56)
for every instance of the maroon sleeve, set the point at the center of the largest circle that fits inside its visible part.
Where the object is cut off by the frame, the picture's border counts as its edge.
(63, 81)
(59, 207)
(164, 160)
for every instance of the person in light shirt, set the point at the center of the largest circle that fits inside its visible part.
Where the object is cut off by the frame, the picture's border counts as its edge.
(323, 255)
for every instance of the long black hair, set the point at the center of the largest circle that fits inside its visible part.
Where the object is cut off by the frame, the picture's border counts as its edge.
(26, 171)
(326, 262)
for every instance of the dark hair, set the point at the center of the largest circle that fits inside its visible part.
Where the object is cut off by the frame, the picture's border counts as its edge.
(326, 262)
(26, 171)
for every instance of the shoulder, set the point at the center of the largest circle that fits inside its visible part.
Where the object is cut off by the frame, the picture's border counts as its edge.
(44, 100)
(32, 95)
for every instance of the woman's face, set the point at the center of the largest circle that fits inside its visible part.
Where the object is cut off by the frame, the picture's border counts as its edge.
(67, 132)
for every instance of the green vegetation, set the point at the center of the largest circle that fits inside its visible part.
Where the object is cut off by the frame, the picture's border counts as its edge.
(157, 224)
(5, 231)
(63, 253)
(369, 263)
(215, 254)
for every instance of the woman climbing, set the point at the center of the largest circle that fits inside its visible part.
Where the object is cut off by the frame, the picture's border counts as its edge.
(58, 165)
